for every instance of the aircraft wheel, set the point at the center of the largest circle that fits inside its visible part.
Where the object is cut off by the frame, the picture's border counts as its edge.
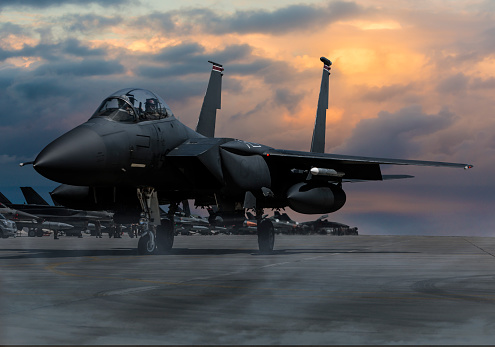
(165, 236)
(147, 244)
(31, 233)
(266, 237)
(39, 232)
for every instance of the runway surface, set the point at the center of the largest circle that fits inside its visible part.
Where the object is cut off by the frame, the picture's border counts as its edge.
(219, 290)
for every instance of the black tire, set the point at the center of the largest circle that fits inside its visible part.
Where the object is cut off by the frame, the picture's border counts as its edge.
(266, 237)
(31, 233)
(145, 246)
(39, 232)
(165, 236)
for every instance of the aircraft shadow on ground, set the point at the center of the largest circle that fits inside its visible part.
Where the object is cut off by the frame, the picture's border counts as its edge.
(36, 253)
(31, 253)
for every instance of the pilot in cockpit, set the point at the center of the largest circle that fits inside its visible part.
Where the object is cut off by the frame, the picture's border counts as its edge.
(150, 109)
(125, 106)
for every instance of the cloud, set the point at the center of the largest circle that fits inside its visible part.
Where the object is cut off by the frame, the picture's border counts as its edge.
(479, 83)
(190, 58)
(257, 108)
(288, 98)
(53, 51)
(385, 93)
(88, 24)
(90, 67)
(53, 3)
(453, 84)
(58, 65)
(395, 135)
(282, 20)
(279, 21)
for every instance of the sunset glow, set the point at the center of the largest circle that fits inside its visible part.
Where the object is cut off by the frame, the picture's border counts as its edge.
(409, 80)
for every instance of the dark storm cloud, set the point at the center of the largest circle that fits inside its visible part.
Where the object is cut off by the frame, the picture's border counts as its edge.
(488, 41)
(259, 107)
(288, 98)
(90, 23)
(161, 21)
(191, 53)
(479, 83)
(53, 51)
(180, 53)
(287, 19)
(82, 68)
(7, 29)
(190, 58)
(290, 18)
(453, 84)
(41, 88)
(385, 93)
(51, 3)
(395, 135)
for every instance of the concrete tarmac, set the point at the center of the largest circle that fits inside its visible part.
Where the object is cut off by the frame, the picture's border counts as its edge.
(219, 290)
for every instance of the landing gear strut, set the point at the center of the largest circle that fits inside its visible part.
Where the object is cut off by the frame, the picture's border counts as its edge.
(158, 235)
(149, 204)
(266, 233)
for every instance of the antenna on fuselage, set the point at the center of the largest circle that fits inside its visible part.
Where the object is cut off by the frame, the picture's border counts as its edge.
(318, 141)
(211, 102)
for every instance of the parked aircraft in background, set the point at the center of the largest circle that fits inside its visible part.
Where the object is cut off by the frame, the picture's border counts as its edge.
(133, 155)
(33, 223)
(59, 218)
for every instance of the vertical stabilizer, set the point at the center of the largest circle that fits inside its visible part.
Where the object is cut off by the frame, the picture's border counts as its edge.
(211, 102)
(318, 142)
(32, 197)
(4, 200)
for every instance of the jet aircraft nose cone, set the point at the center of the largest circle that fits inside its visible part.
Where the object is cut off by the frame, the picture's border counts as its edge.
(74, 158)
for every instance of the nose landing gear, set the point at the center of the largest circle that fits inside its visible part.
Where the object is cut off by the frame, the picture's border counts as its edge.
(158, 234)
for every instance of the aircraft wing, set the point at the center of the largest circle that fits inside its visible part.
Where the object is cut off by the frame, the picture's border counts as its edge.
(354, 168)
(279, 162)
(384, 178)
(349, 159)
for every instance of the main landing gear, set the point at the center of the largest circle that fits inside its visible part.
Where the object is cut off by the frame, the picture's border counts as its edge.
(158, 234)
(266, 233)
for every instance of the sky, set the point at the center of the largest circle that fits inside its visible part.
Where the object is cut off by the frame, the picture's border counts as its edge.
(410, 80)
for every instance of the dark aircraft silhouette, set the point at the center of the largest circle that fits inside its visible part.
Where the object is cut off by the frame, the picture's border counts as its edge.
(32, 197)
(133, 155)
(34, 223)
(57, 218)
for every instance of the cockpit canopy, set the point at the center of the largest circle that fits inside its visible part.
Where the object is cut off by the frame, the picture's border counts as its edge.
(133, 105)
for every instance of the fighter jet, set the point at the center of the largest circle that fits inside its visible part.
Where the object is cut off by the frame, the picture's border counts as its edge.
(32, 197)
(57, 218)
(323, 226)
(16, 215)
(282, 223)
(133, 155)
(35, 224)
